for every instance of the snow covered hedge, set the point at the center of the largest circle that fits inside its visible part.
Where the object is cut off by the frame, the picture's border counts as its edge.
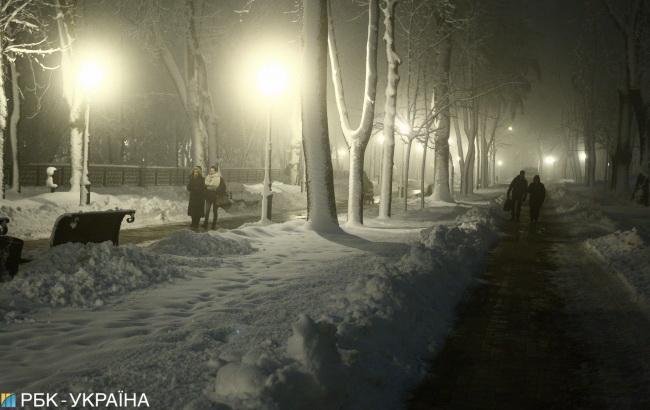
(376, 336)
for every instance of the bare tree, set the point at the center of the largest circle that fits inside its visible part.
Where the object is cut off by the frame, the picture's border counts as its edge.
(357, 139)
(390, 109)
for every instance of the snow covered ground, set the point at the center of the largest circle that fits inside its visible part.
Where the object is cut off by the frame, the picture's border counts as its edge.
(259, 317)
(616, 231)
(33, 213)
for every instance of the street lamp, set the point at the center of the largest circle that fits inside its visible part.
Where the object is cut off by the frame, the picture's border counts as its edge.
(549, 160)
(271, 81)
(90, 77)
(510, 128)
(582, 156)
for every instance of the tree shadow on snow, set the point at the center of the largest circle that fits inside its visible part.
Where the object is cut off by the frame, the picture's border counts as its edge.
(353, 241)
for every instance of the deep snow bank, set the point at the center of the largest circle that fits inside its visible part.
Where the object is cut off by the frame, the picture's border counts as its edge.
(376, 336)
(87, 275)
(626, 254)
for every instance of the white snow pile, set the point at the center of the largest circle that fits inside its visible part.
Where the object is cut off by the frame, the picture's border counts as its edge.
(626, 254)
(285, 196)
(87, 275)
(33, 217)
(208, 244)
(372, 344)
(592, 220)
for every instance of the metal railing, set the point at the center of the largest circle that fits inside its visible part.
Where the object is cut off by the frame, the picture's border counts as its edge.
(116, 175)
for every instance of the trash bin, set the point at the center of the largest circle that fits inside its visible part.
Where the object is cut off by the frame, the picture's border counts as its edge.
(10, 251)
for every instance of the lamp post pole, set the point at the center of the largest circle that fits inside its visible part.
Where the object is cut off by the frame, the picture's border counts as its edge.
(84, 189)
(267, 192)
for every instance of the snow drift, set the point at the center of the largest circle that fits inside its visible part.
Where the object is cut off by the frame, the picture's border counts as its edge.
(209, 244)
(87, 275)
(626, 254)
(376, 336)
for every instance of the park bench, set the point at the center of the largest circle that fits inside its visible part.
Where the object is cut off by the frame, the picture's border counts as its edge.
(10, 250)
(85, 227)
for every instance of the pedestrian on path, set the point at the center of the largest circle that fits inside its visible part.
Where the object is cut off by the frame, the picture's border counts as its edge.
(196, 187)
(537, 194)
(517, 191)
(215, 195)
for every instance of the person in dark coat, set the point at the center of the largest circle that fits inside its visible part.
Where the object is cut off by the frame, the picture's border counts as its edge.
(215, 195)
(517, 191)
(196, 187)
(536, 194)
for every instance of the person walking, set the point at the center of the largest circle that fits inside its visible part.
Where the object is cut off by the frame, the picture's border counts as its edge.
(196, 187)
(215, 195)
(517, 191)
(536, 194)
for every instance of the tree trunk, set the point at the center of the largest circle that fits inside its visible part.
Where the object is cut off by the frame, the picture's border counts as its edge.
(407, 165)
(355, 181)
(623, 151)
(73, 98)
(423, 169)
(321, 205)
(441, 190)
(389, 111)
(3, 116)
(13, 128)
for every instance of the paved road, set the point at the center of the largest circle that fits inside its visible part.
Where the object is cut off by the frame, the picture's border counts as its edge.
(548, 329)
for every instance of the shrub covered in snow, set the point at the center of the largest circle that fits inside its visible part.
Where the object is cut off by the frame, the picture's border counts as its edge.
(87, 275)
(189, 243)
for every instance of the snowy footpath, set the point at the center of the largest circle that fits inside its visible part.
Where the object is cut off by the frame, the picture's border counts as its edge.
(274, 317)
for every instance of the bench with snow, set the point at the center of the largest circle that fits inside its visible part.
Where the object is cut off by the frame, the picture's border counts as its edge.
(10, 250)
(85, 227)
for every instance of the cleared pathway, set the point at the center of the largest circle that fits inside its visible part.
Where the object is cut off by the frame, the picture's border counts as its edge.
(547, 329)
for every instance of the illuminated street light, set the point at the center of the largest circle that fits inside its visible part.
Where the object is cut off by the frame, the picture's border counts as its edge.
(91, 76)
(549, 160)
(499, 163)
(271, 81)
(510, 128)
(582, 156)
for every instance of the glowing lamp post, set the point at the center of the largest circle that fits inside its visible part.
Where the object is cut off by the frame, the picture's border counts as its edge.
(90, 77)
(271, 81)
(499, 165)
(550, 161)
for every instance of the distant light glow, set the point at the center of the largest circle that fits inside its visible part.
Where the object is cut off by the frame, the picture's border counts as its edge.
(403, 128)
(343, 152)
(510, 128)
(91, 76)
(582, 156)
(549, 160)
(272, 79)
(499, 163)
